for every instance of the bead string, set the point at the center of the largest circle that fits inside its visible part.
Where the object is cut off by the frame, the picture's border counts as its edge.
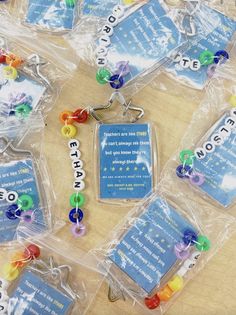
(77, 199)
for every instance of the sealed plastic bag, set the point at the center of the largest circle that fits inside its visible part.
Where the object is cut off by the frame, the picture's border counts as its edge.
(41, 278)
(26, 194)
(159, 247)
(31, 76)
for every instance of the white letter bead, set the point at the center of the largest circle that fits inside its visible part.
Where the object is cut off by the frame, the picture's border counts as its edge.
(195, 65)
(3, 308)
(101, 51)
(104, 41)
(118, 10)
(177, 57)
(225, 131)
(217, 139)
(209, 147)
(200, 153)
(79, 174)
(3, 296)
(195, 255)
(73, 144)
(77, 164)
(189, 264)
(182, 271)
(101, 61)
(79, 185)
(112, 20)
(3, 194)
(185, 62)
(12, 197)
(3, 284)
(75, 154)
(233, 112)
(107, 30)
(230, 121)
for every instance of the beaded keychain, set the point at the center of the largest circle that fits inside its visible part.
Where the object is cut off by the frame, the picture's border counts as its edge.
(77, 199)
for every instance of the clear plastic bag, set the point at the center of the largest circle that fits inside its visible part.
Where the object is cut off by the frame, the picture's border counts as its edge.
(26, 194)
(31, 76)
(41, 278)
(159, 247)
(132, 59)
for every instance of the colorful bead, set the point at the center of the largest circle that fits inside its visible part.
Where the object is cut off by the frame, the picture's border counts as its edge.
(66, 117)
(184, 171)
(13, 60)
(103, 76)
(18, 260)
(187, 157)
(13, 212)
(165, 294)
(78, 230)
(123, 68)
(69, 131)
(232, 100)
(23, 110)
(10, 272)
(32, 252)
(182, 251)
(70, 3)
(116, 81)
(221, 56)
(206, 58)
(203, 243)
(189, 237)
(77, 200)
(176, 283)
(25, 202)
(76, 215)
(10, 73)
(197, 179)
(80, 116)
(2, 56)
(152, 302)
(211, 69)
(28, 216)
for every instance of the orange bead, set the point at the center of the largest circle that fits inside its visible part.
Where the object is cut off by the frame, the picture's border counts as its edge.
(165, 294)
(14, 60)
(66, 117)
(18, 260)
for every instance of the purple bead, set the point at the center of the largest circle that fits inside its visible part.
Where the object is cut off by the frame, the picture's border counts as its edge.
(182, 251)
(123, 68)
(197, 179)
(28, 216)
(211, 70)
(78, 230)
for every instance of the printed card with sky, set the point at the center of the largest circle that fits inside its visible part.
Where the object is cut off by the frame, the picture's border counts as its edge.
(219, 167)
(217, 39)
(19, 176)
(52, 14)
(99, 8)
(23, 90)
(146, 252)
(144, 38)
(125, 161)
(33, 295)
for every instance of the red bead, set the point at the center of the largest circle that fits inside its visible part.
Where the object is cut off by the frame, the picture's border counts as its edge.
(2, 57)
(152, 302)
(81, 115)
(32, 252)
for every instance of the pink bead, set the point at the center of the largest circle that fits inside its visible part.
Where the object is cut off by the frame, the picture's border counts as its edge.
(197, 179)
(28, 216)
(78, 230)
(211, 70)
(182, 251)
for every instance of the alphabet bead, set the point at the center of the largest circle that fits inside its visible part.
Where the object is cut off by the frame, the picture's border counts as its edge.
(182, 271)
(73, 144)
(3, 308)
(3, 296)
(101, 61)
(195, 65)
(195, 255)
(77, 164)
(118, 11)
(107, 30)
(3, 284)
(104, 41)
(200, 153)
(12, 196)
(217, 139)
(230, 121)
(177, 57)
(79, 185)
(209, 147)
(189, 264)
(101, 51)
(112, 20)
(3, 194)
(79, 174)
(233, 112)
(185, 62)
(225, 131)
(75, 154)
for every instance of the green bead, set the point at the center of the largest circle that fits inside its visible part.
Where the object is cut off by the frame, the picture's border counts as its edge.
(23, 110)
(187, 157)
(206, 58)
(70, 3)
(77, 200)
(203, 244)
(25, 202)
(103, 76)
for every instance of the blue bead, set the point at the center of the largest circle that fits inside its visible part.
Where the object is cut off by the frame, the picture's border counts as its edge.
(76, 215)
(116, 81)
(218, 56)
(183, 171)
(13, 212)
(190, 237)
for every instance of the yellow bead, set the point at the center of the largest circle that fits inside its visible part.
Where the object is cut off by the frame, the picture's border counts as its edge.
(10, 272)
(69, 131)
(176, 283)
(10, 72)
(232, 100)
(127, 2)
